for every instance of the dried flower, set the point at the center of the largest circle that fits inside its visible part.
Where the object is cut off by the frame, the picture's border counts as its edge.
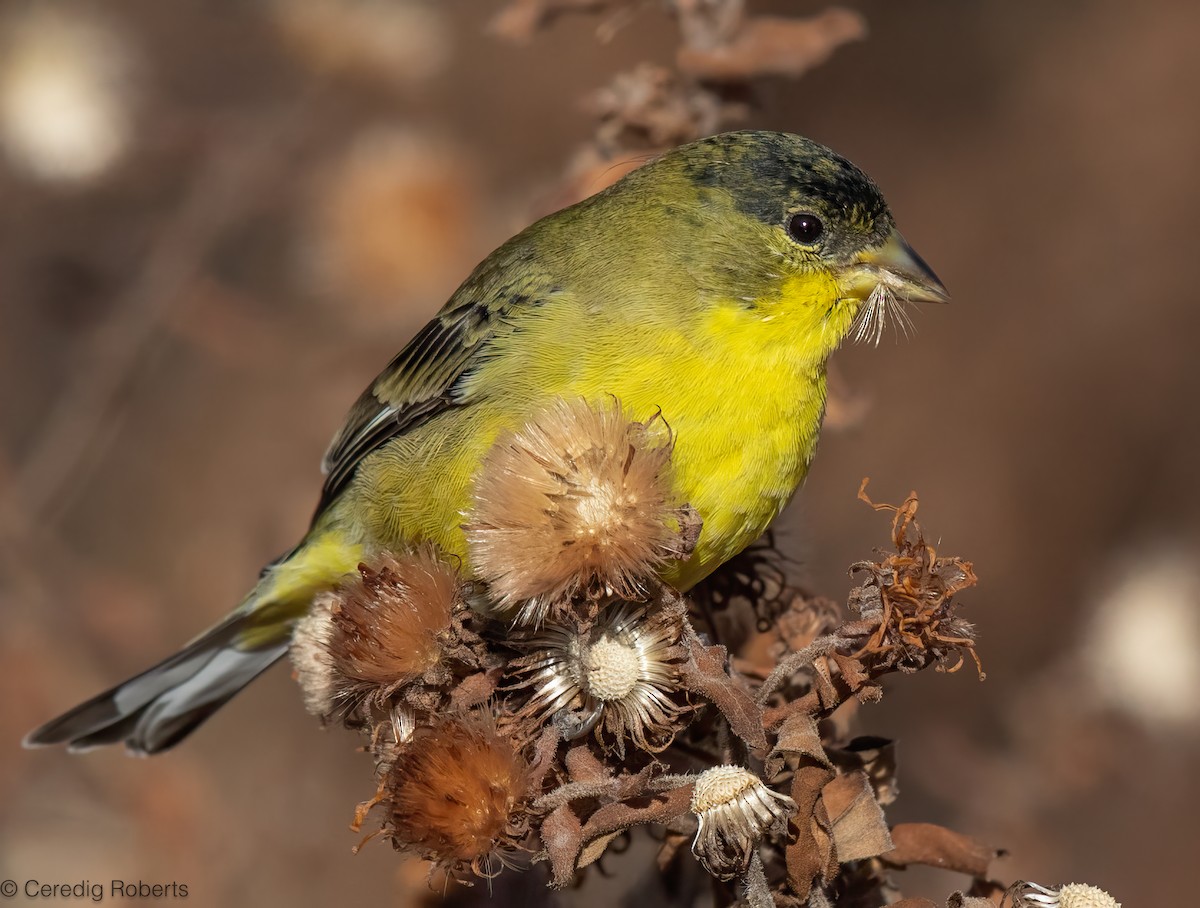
(388, 626)
(388, 619)
(456, 795)
(735, 809)
(1073, 895)
(617, 677)
(575, 502)
(311, 659)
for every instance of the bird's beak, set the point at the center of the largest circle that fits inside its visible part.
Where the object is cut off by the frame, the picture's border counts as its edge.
(896, 266)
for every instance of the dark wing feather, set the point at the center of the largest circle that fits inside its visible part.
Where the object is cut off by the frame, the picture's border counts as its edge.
(418, 384)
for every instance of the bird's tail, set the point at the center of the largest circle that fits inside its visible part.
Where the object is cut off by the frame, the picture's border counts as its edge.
(164, 704)
(160, 707)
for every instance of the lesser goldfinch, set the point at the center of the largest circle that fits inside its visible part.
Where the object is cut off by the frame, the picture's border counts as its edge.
(710, 285)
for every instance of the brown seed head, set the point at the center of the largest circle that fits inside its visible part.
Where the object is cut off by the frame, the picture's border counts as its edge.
(575, 502)
(456, 795)
(388, 621)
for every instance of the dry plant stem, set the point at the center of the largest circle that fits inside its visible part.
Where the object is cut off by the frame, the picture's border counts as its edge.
(758, 890)
(792, 663)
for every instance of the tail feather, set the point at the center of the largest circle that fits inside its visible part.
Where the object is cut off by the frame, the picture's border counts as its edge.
(160, 707)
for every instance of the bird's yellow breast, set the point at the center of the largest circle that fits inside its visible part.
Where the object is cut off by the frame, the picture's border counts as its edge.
(742, 387)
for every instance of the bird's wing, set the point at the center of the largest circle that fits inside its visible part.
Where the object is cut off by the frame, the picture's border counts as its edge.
(418, 384)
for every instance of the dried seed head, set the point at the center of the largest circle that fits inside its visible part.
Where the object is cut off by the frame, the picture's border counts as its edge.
(735, 809)
(311, 660)
(1073, 895)
(616, 677)
(575, 502)
(612, 668)
(390, 625)
(456, 796)
(388, 621)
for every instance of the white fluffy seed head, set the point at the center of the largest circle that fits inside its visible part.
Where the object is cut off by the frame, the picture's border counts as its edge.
(1080, 895)
(315, 671)
(619, 677)
(612, 669)
(736, 809)
(721, 785)
(1072, 895)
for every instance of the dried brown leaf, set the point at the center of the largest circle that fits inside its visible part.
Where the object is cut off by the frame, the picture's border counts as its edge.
(937, 846)
(562, 837)
(798, 736)
(594, 850)
(877, 758)
(859, 827)
(473, 690)
(520, 20)
(958, 900)
(774, 46)
(584, 766)
(544, 752)
(674, 842)
(657, 808)
(704, 674)
(603, 826)
(809, 853)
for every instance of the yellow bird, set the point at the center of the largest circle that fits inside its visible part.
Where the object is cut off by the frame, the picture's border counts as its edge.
(711, 284)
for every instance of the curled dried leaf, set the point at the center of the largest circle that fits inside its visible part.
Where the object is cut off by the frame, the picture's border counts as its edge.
(704, 674)
(520, 20)
(797, 737)
(937, 846)
(810, 853)
(859, 827)
(774, 46)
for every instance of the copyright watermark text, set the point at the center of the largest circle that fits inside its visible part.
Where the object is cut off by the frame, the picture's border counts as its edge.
(93, 891)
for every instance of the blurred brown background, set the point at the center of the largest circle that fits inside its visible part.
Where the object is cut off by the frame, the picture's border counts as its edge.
(255, 204)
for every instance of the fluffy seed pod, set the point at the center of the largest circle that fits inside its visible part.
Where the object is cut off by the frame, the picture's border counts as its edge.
(377, 631)
(314, 669)
(616, 677)
(578, 501)
(456, 796)
(735, 809)
(1073, 895)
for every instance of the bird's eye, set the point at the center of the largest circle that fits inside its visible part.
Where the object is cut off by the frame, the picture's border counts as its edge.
(805, 228)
